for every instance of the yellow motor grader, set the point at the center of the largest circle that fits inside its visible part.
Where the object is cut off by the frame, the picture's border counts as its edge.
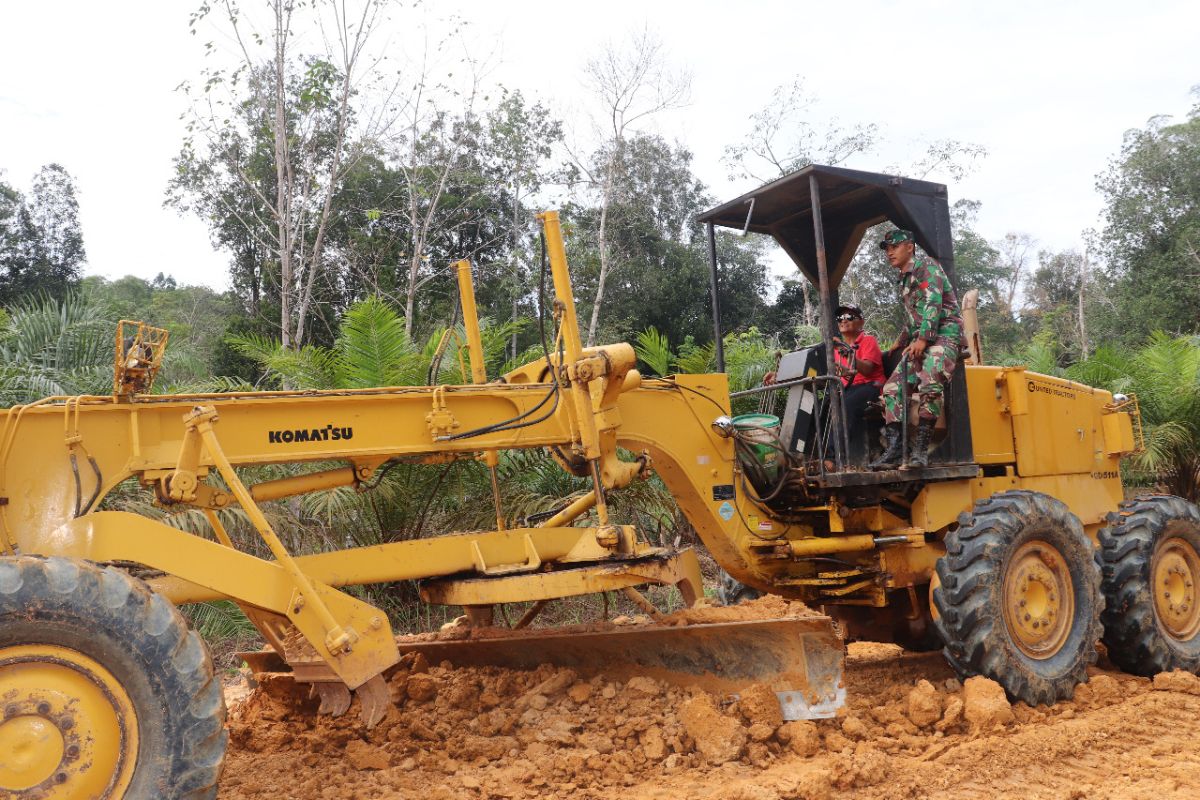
(104, 692)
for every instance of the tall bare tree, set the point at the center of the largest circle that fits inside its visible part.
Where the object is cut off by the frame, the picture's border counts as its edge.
(428, 150)
(631, 82)
(1089, 242)
(303, 93)
(789, 133)
(521, 139)
(1017, 252)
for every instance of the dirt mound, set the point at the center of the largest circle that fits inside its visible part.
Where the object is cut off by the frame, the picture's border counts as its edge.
(909, 729)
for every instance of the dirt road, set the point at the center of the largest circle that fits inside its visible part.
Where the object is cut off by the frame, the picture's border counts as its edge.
(492, 733)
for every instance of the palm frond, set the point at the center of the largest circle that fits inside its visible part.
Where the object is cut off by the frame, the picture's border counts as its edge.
(1107, 368)
(696, 359)
(654, 350)
(748, 357)
(309, 367)
(219, 620)
(373, 348)
(212, 385)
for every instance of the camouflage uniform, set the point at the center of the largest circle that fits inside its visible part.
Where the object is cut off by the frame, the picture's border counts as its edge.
(933, 315)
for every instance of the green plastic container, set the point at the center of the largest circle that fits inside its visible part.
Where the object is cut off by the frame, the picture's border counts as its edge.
(761, 432)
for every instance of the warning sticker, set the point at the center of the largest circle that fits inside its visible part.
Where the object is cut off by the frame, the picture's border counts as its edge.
(726, 511)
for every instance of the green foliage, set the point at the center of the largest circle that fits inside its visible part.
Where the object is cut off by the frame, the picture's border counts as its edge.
(659, 268)
(696, 358)
(1041, 355)
(1152, 235)
(220, 619)
(196, 317)
(748, 356)
(1164, 374)
(807, 336)
(52, 347)
(654, 350)
(373, 348)
(41, 243)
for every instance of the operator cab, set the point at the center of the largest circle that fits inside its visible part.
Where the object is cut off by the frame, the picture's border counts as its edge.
(819, 215)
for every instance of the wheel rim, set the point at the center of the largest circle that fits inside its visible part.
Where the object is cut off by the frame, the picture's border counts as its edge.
(1175, 570)
(1039, 599)
(67, 727)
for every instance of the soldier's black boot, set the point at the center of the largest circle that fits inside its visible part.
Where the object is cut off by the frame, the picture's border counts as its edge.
(893, 451)
(919, 457)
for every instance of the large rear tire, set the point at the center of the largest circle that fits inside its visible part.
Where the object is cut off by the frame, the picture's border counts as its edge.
(1150, 560)
(106, 693)
(1019, 600)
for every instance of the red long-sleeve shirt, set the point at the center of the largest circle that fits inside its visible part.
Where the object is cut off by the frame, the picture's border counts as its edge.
(868, 350)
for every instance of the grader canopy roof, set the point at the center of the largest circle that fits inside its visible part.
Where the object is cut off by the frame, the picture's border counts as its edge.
(850, 202)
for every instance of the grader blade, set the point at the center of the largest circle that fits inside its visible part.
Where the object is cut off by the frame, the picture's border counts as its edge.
(800, 658)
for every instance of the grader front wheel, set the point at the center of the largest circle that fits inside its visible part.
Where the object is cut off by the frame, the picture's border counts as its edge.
(1150, 557)
(104, 693)
(1019, 597)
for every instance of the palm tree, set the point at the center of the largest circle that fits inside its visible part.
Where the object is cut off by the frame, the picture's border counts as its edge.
(748, 357)
(1164, 374)
(54, 347)
(373, 348)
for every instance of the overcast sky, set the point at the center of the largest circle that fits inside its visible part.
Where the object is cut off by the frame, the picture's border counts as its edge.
(1048, 88)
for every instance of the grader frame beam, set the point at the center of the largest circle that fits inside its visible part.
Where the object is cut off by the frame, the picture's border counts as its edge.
(585, 403)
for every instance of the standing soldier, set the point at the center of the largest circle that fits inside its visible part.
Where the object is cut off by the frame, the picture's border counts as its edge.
(931, 340)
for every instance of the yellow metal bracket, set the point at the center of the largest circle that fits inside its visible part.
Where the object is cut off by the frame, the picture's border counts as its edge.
(679, 569)
(182, 484)
(440, 421)
(1116, 442)
(532, 562)
(310, 607)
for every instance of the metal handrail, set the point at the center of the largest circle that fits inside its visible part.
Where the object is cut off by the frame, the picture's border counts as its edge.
(813, 379)
(823, 448)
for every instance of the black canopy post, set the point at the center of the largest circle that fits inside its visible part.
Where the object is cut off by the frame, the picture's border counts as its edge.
(716, 302)
(823, 289)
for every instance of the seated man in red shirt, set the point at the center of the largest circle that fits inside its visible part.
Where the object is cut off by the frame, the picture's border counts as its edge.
(860, 365)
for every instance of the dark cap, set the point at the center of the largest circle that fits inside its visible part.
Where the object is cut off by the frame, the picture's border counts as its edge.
(853, 311)
(895, 237)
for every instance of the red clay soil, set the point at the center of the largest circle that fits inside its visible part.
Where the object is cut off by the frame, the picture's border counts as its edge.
(909, 730)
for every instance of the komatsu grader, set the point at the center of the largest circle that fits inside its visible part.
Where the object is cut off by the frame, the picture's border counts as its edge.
(1012, 550)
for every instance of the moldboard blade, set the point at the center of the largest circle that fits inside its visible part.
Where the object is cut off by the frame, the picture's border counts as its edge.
(800, 658)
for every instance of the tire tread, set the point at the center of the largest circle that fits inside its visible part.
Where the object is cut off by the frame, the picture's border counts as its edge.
(116, 606)
(968, 599)
(1132, 636)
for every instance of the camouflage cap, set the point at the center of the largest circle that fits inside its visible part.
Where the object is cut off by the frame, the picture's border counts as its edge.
(895, 237)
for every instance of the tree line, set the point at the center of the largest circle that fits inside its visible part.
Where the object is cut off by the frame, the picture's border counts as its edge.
(333, 177)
